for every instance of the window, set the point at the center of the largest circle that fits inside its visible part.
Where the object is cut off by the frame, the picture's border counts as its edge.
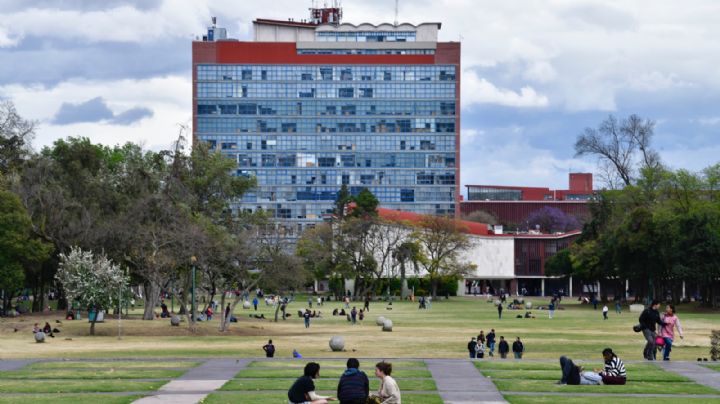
(348, 161)
(229, 145)
(244, 160)
(366, 93)
(367, 179)
(407, 195)
(268, 160)
(306, 76)
(346, 179)
(387, 76)
(346, 92)
(326, 73)
(228, 109)
(425, 179)
(427, 145)
(402, 145)
(348, 109)
(247, 74)
(247, 109)
(248, 145)
(326, 161)
(263, 75)
(346, 74)
(207, 109)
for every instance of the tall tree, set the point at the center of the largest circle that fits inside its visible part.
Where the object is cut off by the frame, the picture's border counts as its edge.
(16, 134)
(443, 243)
(409, 251)
(622, 148)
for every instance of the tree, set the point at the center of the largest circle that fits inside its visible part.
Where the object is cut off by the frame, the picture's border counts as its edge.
(15, 136)
(622, 147)
(91, 281)
(552, 220)
(443, 244)
(365, 204)
(409, 251)
(18, 246)
(343, 198)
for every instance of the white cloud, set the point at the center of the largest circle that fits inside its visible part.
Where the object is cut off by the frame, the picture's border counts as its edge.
(476, 90)
(170, 99)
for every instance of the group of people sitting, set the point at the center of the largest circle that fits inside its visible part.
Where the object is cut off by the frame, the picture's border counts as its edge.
(353, 387)
(613, 372)
(47, 329)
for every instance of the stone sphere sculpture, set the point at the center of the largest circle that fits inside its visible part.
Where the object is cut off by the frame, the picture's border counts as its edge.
(40, 336)
(246, 305)
(175, 321)
(528, 305)
(387, 325)
(337, 343)
(380, 320)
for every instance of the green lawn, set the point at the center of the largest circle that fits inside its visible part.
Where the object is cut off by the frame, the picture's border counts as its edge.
(233, 398)
(334, 373)
(111, 364)
(69, 399)
(75, 386)
(321, 384)
(92, 374)
(566, 399)
(635, 387)
(713, 366)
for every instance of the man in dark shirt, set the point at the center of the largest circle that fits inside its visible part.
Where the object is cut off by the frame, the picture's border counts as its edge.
(570, 372)
(303, 390)
(354, 386)
(503, 347)
(269, 349)
(518, 348)
(491, 341)
(648, 319)
(500, 309)
(472, 347)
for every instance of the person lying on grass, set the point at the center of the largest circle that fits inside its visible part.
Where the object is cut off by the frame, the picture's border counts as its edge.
(573, 374)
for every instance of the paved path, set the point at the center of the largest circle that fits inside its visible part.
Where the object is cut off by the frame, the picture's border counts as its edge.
(197, 383)
(15, 364)
(459, 382)
(691, 370)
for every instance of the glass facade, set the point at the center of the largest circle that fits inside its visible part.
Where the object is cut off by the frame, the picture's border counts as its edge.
(305, 130)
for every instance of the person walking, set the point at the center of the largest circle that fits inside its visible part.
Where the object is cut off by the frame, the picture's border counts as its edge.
(500, 309)
(481, 337)
(310, 302)
(648, 318)
(366, 307)
(354, 386)
(551, 308)
(667, 332)
(503, 348)
(518, 348)
(472, 347)
(269, 349)
(306, 316)
(491, 342)
(255, 302)
(353, 315)
(605, 312)
(618, 307)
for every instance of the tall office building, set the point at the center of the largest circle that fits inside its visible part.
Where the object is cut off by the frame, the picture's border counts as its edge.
(310, 105)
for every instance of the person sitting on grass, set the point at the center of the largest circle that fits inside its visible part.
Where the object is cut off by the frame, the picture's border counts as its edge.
(303, 390)
(389, 391)
(573, 374)
(48, 330)
(614, 372)
(354, 386)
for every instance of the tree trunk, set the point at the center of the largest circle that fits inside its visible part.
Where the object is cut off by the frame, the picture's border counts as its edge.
(94, 320)
(152, 293)
(403, 282)
(236, 300)
(277, 309)
(434, 282)
(223, 317)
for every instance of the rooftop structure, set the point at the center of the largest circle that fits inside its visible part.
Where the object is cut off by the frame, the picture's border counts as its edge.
(581, 189)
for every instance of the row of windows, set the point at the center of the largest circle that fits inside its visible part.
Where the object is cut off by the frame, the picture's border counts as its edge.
(330, 160)
(366, 51)
(299, 211)
(327, 108)
(365, 36)
(324, 90)
(227, 72)
(270, 178)
(384, 195)
(377, 144)
(241, 125)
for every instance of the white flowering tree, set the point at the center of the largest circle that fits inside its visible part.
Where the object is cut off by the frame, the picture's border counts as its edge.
(90, 280)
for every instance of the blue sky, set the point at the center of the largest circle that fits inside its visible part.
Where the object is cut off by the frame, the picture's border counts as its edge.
(535, 72)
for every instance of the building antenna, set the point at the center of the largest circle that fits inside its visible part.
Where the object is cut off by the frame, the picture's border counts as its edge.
(396, 12)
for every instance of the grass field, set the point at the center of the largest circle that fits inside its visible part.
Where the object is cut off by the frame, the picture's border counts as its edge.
(577, 331)
(69, 399)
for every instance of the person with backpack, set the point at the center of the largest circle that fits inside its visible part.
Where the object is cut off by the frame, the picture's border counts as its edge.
(269, 349)
(491, 342)
(648, 318)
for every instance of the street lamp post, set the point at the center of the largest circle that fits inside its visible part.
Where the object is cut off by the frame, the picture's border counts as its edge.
(192, 304)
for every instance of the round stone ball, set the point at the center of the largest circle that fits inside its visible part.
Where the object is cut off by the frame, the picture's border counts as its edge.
(246, 305)
(528, 305)
(387, 325)
(175, 321)
(380, 320)
(40, 337)
(337, 343)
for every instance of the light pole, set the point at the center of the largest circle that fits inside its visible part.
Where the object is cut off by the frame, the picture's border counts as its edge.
(193, 260)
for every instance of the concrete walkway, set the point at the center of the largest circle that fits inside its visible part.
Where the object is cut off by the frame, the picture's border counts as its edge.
(15, 364)
(197, 383)
(459, 382)
(693, 371)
